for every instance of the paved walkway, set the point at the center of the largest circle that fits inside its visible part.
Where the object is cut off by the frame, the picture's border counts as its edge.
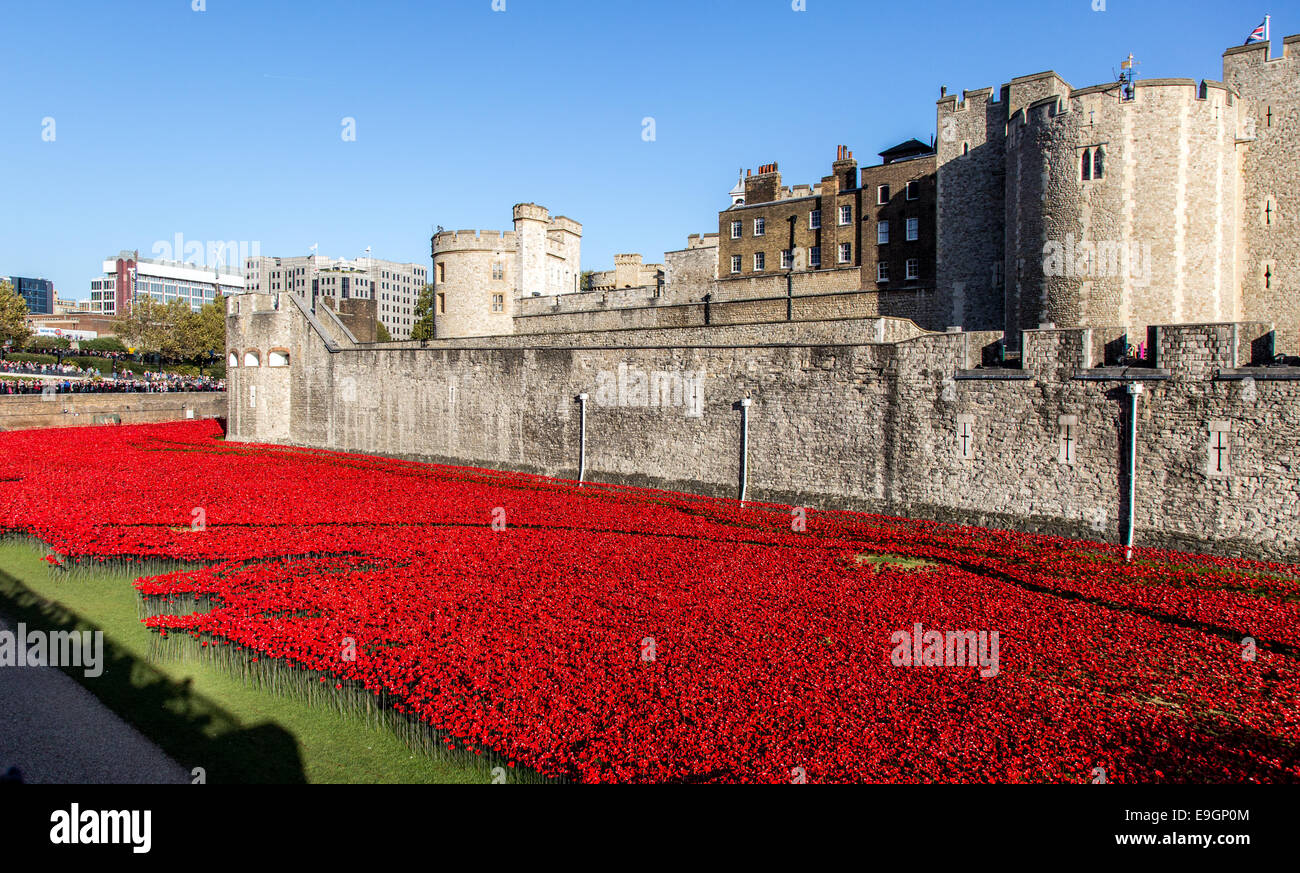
(55, 731)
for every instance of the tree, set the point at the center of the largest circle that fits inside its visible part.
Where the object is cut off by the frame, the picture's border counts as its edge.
(424, 329)
(381, 333)
(210, 328)
(143, 328)
(49, 342)
(178, 329)
(103, 344)
(584, 280)
(13, 316)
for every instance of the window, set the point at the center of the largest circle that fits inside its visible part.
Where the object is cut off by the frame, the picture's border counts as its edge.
(442, 304)
(735, 263)
(786, 259)
(1087, 165)
(251, 359)
(1098, 163)
(913, 268)
(277, 358)
(760, 227)
(498, 302)
(846, 252)
(882, 271)
(882, 195)
(815, 256)
(760, 261)
(846, 215)
(815, 219)
(914, 190)
(232, 360)
(882, 233)
(442, 272)
(913, 229)
(735, 230)
(498, 270)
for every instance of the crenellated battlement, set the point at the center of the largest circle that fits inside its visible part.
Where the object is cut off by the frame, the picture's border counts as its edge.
(564, 223)
(473, 240)
(532, 212)
(1260, 53)
(979, 98)
(1102, 101)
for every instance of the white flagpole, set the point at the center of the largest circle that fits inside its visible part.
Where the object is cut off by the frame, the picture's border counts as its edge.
(1268, 37)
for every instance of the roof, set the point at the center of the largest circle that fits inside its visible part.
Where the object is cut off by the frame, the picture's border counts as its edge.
(911, 148)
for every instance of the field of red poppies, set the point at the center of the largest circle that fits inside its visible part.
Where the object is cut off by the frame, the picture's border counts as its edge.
(599, 633)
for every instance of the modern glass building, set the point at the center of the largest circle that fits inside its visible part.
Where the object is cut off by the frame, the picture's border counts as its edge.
(38, 293)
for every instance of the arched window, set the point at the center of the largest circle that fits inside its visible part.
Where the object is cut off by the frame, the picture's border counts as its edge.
(1098, 163)
(277, 358)
(233, 360)
(1087, 165)
(251, 359)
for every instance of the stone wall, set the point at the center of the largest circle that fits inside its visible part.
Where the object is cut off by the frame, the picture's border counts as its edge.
(841, 330)
(1269, 221)
(692, 268)
(906, 428)
(1150, 241)
(1192, 220)
(79, 410)
(919, 305)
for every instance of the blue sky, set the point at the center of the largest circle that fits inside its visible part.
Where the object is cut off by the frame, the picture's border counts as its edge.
(226, 124)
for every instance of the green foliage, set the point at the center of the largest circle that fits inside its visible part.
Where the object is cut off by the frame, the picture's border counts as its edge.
(423, 328)
(48, 342)
(13, 316)
(381, 333)
(102, 344)
(175, 330)
(30, 358)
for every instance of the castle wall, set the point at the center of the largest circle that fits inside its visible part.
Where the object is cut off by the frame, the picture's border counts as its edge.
(688, 270)
(1269, 221)
(904, 428)
(1149, 242)
(970, 204)
(639, 308)
(23, 412)
(465, 278)
(533, 272)
(837, 330)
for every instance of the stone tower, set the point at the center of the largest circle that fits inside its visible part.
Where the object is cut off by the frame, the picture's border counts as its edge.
(531, 224)
(1269, 113)
(479, 275)
(1163, 201)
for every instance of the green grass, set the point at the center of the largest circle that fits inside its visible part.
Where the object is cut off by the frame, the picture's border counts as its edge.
(902, 562)
(198, 713)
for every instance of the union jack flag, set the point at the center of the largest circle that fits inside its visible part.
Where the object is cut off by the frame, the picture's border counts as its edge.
(1259, 34)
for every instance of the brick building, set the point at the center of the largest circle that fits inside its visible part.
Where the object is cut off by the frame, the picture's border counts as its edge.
(874, 225)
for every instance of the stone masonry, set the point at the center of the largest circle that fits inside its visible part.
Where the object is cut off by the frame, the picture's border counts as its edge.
(912, 427)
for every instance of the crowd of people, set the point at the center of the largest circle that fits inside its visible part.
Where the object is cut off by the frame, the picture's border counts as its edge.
(30, 368)
(73, 379)
(170, 384)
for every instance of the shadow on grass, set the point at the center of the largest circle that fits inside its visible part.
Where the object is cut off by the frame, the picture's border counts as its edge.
(193, 730)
